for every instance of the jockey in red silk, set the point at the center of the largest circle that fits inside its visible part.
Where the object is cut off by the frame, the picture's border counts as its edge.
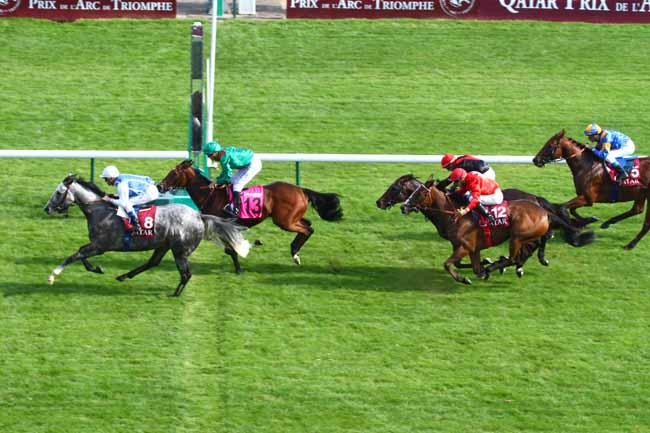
(610, 145)
(481, 191)
(468, 163)
(244, 160)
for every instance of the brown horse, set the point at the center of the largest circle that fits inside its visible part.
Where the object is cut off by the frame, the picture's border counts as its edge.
(529, 223)
(405, 185)
(285, 203)
(593, 184)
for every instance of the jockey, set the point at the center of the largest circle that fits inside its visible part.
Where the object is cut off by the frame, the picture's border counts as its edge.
(468, 163)
(131, 190)
(245, 160)
(481, 191)
(610, 145)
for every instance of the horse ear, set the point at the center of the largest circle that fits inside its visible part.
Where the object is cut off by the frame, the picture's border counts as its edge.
(561, 134)
(430, 179)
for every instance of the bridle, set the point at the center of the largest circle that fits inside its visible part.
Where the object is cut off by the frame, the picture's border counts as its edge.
(553, 148)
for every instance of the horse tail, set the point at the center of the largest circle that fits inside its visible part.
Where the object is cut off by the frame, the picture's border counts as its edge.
(573, 235)
(328, 205)
(225, 232)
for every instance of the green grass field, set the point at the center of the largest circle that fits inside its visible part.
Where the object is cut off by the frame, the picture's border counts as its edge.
(369, 334)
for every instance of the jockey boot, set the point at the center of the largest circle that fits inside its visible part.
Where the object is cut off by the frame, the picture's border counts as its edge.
(483, 211)
(135, 221)
(621, 174)
(233, 208)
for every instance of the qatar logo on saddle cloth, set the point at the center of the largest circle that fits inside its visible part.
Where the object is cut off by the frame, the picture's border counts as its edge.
(501, 220)
(147, 217)
(631, 167)
(251, 203)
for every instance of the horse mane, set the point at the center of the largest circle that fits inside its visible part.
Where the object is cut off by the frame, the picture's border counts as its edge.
(88, 185)
(577, 143)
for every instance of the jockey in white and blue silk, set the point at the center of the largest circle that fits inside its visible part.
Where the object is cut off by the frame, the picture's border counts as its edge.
(610, 145)
(132, 190)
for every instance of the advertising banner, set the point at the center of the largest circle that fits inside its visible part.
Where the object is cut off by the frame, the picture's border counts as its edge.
(605, 11)
(69, 10)
(597, 11)
(382, 9)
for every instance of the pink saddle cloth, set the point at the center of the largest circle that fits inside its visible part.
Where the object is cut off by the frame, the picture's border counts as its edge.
(251, 202)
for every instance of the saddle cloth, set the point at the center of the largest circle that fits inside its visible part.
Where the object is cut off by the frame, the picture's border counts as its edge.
(147, 217)
(501, 219)
(631, 166)
(251, 203)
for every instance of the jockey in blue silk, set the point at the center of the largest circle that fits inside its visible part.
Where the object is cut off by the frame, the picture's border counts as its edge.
(609, 146)
(132, 190)
(244, 160)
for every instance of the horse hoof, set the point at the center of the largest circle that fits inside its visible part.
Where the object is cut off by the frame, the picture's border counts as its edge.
(467, 281)
(544, 262)
(99, 270)
(629, 246)
(296, 259)
(484, 276)
(121, 277)
(604, 226)
(50, 280)
(258, 243)
(520, 272)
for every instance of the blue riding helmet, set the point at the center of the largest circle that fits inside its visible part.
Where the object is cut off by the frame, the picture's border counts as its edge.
(592, 129)
(211, 147)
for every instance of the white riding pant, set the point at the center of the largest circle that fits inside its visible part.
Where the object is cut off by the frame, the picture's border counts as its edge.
(626, 149)
(489, 174)
(246, 174)
(127, 204)
(495, 198)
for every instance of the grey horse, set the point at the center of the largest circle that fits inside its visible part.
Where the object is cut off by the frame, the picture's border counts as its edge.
(178, 228)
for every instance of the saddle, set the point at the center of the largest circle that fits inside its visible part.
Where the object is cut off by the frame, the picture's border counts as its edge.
(631, 166)
(251, 201)
(146, 216)
(501, 220)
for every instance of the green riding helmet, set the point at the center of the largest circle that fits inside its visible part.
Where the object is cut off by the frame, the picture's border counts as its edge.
(211, 147)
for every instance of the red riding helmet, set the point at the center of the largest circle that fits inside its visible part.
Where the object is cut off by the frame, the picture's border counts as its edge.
(457, 174)
(446, 160)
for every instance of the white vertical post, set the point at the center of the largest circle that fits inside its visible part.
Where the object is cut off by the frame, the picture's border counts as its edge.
(210, 72)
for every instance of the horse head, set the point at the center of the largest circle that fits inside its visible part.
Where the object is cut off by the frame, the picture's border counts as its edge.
(551, 151)
(178, 177)
(62, 198)
(421, 198)
(398, 191)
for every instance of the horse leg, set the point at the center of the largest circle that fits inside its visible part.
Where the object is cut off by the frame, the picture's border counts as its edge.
(477, 265)
(235, 259)
(575, 203)
(88, 250)
(183, 266)
(90, 267)
(155, 259)
(456, 256)
(542, 248)
(644, 229)
(304, 230)
(637, 208)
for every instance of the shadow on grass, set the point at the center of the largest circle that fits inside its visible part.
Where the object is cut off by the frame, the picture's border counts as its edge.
(10, 288)
(368, 278)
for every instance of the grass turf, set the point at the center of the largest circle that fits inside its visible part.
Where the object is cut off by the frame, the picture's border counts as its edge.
(369, 334)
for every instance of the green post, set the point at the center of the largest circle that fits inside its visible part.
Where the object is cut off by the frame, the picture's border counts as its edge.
(92, 170)
(297, 172)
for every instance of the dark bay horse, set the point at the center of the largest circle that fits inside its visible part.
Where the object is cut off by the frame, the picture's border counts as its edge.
(593, 184)
(285, 203)
(177, 227)
(406, 184)
(529, 224)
